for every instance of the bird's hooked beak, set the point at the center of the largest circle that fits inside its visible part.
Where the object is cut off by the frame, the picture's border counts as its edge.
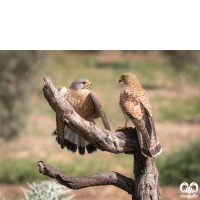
(121, 79)
(88, 85)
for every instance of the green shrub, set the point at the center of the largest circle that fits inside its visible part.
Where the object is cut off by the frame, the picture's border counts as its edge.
(180, 166)
(16, 71)
(47, 190)
(25, 170)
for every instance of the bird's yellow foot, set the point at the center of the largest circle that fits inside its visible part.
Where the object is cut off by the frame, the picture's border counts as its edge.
(125, 127)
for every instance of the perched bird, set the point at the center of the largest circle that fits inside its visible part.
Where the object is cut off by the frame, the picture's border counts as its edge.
(135, 105)
(88, 105)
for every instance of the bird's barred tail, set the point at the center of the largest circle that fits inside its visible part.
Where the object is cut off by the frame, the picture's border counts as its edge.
(149, 148)
(149, 144)
(156, 150)
(73, 141)
(155, 147)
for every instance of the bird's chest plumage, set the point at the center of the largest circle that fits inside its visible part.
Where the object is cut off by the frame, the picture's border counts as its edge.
(82, 102)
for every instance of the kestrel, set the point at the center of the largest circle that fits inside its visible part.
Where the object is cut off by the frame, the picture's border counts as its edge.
(88, 105)
(135, 105)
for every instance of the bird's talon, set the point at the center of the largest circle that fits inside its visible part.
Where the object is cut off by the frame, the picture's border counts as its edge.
(125, 127)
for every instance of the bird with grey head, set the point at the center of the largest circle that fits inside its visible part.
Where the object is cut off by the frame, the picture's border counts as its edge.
(80, 84)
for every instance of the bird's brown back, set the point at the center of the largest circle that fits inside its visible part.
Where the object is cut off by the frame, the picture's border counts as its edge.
(82, 103)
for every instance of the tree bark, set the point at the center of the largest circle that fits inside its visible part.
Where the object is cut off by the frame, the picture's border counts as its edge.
(144, 187)
(96, 179)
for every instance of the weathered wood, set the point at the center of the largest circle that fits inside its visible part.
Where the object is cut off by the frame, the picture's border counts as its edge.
(96, 179)
(145, 186)
(146, 178)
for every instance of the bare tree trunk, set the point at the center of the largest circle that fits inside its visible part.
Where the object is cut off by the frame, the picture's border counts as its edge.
(146, 178)
(144, 187)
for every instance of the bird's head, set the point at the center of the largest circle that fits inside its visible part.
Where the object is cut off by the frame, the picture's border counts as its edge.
(128, 78)
(80, 84)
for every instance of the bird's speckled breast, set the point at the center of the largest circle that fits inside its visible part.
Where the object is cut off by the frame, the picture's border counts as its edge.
(82, 103)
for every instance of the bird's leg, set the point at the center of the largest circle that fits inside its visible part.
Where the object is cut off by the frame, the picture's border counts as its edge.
(125, 126)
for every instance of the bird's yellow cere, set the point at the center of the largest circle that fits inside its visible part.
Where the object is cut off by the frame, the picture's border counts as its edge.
(87, 83)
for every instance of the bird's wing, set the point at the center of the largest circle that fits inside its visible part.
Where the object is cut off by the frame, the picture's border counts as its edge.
(60, 126)
(98, 109)
(143, 136)
(145, 101)
(149, 144)
(155, 147)
(98, 97)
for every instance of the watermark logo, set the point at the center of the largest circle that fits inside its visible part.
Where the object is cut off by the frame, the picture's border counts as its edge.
(189, 190)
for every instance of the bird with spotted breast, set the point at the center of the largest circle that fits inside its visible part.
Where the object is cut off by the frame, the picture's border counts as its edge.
(135, 105)
(88, 105)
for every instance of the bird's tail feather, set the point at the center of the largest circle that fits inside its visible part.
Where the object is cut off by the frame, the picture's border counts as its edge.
(149, 144)
(73, 141)
(155, 146)
(148, 148)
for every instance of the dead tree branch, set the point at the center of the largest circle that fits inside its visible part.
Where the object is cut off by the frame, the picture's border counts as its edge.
(96, 179)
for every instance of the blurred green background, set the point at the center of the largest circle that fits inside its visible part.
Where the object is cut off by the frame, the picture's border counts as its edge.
(171, 78)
